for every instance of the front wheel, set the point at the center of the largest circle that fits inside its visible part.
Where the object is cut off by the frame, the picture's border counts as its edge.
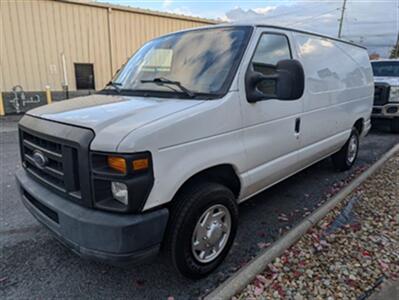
(203, 224)
(345, 158)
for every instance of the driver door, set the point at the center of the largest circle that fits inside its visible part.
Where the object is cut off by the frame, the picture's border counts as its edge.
(271, 128)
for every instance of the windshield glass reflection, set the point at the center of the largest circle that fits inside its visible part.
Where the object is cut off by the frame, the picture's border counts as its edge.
(203, 61)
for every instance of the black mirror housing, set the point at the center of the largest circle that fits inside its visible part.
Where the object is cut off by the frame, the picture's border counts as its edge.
(289, 80)
(252, 79)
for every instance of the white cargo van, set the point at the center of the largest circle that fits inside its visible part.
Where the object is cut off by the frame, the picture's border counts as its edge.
(196, 122)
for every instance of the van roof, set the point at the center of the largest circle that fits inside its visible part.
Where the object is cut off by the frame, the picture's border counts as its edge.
(260, 24)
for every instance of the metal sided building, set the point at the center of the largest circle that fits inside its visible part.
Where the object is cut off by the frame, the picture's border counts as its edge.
(72, 45)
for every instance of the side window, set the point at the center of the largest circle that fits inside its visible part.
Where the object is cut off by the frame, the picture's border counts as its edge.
(270, 50)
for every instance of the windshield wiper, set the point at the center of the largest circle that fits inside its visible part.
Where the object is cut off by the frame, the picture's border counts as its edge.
(165, 81)
(115, 85)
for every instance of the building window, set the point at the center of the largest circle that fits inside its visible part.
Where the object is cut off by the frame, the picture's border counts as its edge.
(84, 74)
(158, 60)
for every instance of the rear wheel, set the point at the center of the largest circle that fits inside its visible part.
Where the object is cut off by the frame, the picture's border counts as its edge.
(395, 125)
(203, 224)
(345, 158)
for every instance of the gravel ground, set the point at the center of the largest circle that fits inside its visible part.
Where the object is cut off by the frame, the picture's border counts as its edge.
(347, 254)
(34, 265)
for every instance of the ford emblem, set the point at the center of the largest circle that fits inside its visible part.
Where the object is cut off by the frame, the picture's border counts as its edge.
(39, 159)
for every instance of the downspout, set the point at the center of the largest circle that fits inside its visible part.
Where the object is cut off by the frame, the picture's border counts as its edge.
(64, 71)
(110, 40)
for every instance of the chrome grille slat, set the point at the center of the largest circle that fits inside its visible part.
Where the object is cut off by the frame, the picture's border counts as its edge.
(381, 94)
(51, 154)
(46, 181)
(48, 170)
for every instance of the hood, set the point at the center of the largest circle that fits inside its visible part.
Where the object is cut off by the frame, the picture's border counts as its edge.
(394, 81)
(111, 117)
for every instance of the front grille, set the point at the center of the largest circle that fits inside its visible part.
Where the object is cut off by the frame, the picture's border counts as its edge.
(60, 171)
(57, 156)
(381, 94)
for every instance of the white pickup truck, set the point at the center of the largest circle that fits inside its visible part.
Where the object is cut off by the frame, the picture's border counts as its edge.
(386, 95)
(195, 123)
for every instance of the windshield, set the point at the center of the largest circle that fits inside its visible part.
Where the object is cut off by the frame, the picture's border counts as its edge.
(202, 61)
(386, 68)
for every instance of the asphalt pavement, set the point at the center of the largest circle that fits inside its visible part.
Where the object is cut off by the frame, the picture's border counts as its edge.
(34, 264)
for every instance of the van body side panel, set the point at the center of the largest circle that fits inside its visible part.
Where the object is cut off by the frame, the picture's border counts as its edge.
(337, 91)
(188, 142)
(357, 103)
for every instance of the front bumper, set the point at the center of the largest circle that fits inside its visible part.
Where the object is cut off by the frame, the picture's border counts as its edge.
(113, 238)
(388, 111)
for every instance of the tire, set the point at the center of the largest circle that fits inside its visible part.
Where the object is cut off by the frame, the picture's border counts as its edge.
(187, 209)
(395, 125)
(344, 159)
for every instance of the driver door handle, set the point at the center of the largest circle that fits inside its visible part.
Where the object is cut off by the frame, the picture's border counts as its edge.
(297, 126)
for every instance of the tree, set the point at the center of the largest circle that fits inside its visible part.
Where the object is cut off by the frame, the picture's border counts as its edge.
(394, 53)
(395, 49)
(374, 56)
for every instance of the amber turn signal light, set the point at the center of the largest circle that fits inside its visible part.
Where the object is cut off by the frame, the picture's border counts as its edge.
(140, 164)
(117, 163)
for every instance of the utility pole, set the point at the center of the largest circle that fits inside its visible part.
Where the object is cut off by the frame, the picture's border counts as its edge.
(397, 47)
(342, 19)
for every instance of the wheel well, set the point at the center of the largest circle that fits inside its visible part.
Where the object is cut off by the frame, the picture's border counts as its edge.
(359, 125)
(223, 174)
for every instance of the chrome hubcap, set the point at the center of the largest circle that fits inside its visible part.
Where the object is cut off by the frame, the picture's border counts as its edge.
(352, 149)
(211, 233)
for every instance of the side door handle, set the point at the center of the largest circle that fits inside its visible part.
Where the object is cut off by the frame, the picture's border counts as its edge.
(297, 125)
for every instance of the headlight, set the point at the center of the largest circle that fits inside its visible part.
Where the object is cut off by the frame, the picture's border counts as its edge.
(120, 192)
(121, 182)
(394, 94)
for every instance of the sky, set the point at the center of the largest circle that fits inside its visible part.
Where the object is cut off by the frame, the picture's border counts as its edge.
(374, 24)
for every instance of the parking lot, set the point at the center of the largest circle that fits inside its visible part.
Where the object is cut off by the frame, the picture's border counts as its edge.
(35, 265)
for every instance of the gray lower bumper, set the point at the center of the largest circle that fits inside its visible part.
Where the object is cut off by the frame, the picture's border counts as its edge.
(114, 238)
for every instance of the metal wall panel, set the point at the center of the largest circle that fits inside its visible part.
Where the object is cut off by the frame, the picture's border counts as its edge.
(131, 30)
(34, 34)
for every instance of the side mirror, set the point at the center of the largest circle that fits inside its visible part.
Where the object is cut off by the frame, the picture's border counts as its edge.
(287, 82)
